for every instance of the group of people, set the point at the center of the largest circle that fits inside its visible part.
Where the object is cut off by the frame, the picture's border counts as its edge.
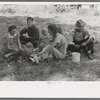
(52, 43)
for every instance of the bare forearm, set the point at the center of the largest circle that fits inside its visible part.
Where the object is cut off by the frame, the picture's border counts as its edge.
(23, 32)
(11, 53)
(8, 47)
(89, 40)
(19, 44)
(45, 50)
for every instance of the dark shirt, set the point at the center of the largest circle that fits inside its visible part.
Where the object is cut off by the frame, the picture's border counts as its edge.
(32, 32)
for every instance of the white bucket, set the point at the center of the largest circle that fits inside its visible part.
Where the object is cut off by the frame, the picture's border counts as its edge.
(75, 57)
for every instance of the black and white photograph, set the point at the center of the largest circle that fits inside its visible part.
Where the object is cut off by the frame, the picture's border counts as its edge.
(50, 42)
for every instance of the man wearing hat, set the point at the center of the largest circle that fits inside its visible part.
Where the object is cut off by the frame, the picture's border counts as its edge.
(81, 39)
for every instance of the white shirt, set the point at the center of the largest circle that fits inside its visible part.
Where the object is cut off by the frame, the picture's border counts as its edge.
(10, 36)
(61, 40)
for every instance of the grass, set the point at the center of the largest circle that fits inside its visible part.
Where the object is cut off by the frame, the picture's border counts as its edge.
(48, 70)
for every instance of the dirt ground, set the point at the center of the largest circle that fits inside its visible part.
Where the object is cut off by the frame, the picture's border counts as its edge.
(52, 70)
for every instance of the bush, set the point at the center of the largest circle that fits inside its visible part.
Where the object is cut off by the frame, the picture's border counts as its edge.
(5, 9)
(83, 12)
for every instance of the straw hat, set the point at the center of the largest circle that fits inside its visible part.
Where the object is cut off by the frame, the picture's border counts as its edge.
(80, 24)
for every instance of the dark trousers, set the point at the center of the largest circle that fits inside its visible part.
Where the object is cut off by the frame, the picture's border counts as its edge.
(24, 40)
(86, 48)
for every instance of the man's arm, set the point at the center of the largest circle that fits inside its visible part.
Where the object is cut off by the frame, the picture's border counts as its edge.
(19, 44)
(91, 38)
(8, 46)
(23, 31)
(88, 38)
(7, 42)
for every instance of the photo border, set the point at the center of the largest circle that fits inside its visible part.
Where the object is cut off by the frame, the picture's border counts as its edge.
(5, 98)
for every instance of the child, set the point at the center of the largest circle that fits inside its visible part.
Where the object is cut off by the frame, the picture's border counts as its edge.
(29, 49)
(12, 42)
(45, 39)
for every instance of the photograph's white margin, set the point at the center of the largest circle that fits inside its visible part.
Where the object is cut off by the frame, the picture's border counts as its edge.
(40, 89)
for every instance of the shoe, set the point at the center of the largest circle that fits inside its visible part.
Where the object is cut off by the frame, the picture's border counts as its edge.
(33, 60)
(36, 59)
(89, 55)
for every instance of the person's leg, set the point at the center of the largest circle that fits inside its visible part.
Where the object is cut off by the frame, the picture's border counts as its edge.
(58, 54)
(44, 54)
(4, 51)
(90, 47)
(55, 51)
(46, 49)
(72, 48)
(35, 43)
(85, 47)
(11, 54)
(89, 50)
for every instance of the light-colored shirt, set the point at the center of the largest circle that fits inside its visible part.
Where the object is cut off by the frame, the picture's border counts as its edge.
(12, 41)
(68, 39)
(79, 36)
(63, 43)
(10, 36)
(92, 35)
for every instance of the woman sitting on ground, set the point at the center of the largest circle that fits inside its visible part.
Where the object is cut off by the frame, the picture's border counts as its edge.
(58, 46)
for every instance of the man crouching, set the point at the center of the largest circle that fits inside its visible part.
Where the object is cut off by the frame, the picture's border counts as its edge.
(81, 40)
